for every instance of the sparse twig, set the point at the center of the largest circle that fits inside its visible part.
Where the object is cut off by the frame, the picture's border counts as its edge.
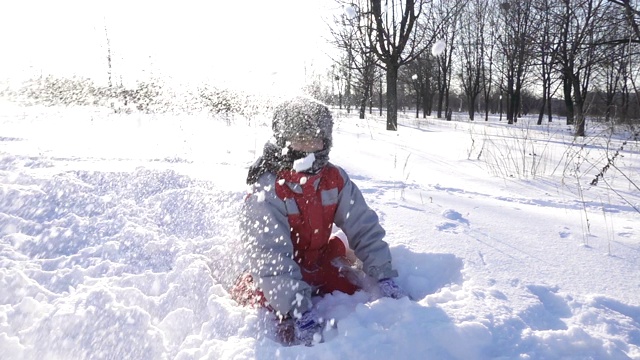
(585, 236)
(610, 161)
(621, 197)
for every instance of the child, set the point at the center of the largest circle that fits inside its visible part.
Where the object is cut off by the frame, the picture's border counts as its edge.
(297, 197)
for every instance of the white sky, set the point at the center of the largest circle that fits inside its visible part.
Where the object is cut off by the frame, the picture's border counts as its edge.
(257, 42)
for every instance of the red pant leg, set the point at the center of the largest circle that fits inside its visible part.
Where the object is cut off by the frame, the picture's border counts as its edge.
(331, 279)
(327, 278)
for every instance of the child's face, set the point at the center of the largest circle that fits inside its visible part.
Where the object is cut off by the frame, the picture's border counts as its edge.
(306, 144)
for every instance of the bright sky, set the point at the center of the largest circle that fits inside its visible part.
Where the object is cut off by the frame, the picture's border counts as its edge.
(252, 42)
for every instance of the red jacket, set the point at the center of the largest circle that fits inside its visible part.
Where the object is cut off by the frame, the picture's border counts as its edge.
(312, 223)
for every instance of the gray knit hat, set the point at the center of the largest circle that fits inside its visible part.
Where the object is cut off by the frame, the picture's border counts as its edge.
(302, 116)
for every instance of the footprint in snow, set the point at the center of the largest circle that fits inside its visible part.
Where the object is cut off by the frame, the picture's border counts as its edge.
(454, 219)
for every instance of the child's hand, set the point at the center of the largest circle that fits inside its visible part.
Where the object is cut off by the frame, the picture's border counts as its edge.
(308, 328)
(389, 288)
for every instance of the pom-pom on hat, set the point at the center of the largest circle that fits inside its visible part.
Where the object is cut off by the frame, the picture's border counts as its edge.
(302, 117)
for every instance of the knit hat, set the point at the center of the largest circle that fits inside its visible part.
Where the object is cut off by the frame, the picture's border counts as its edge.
(293, 118)
(302, 116)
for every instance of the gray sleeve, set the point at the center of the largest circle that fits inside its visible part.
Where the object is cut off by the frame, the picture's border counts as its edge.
(267, 238)
(364, 232)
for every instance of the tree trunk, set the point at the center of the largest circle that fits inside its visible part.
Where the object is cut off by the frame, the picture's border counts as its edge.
(517, 99)
(544, 94)
(549, 97)
(568, 101)
(380, 96)
(486, 108)
(472, 107)
(513, 109)
(441, 89)
(608, 106)
(446, 100)
(500, 105)
(579, 109)
(392, 97)
(541, 115)
(425, 100)
(371, 97)
(510, 100)
(440, 103)
(549, 107)
(363, 102)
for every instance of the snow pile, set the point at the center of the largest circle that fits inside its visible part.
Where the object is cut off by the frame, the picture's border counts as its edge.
(127, 253)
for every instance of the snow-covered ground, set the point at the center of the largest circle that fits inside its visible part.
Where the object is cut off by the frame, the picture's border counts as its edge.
(118, 237)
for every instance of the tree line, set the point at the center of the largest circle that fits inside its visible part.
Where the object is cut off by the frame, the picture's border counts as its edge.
(150, 96)
(576, 58)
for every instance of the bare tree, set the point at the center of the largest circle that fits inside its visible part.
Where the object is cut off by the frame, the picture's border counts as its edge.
(516, 44)
(418, 74)
(472, 48)
(351, 34)
(632, 13)
(421, 70)
(612, 77)
(393, 33)
(582, 29)
(488, 60)
(445, 30)
(546, 48)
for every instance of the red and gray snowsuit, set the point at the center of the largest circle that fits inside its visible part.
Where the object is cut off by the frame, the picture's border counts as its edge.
(288, 219)
(287, 227)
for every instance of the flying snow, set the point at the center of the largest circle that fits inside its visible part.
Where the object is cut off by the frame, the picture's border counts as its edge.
(438, 48)
(350, 11)
(305, 163)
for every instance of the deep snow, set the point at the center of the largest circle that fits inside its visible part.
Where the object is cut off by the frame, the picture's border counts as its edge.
(118, 240)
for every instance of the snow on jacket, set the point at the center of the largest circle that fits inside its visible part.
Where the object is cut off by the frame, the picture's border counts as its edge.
(267, 235)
